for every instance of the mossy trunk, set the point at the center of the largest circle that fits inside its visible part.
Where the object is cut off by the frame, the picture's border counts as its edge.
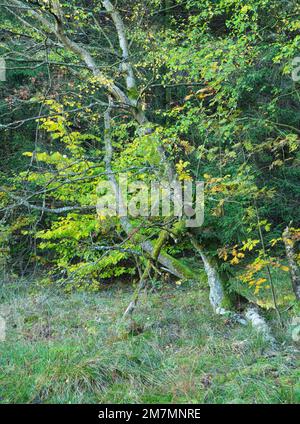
(172, 265)
(220, 300)
(156, 249)
(291, 257)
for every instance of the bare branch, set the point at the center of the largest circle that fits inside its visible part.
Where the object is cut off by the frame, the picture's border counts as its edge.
(21, 201)
(17, 124)
(120, 28)
(120, 249)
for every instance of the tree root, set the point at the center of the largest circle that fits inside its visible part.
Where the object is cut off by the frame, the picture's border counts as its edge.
(259, 323)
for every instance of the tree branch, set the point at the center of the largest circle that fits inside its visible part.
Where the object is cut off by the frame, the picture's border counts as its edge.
(21, 201)
(58, 30)
(123, 43)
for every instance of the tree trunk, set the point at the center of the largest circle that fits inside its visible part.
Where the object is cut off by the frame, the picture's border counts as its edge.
(143, 281)
(291, 257)
(258, 323)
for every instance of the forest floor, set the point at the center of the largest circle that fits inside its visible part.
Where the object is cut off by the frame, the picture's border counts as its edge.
(72, 348)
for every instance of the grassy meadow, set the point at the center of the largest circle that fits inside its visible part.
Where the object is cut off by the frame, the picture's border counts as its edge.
(74, 348)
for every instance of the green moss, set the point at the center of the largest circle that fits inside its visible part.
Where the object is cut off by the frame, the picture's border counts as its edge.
(227, 302)
(184, 270)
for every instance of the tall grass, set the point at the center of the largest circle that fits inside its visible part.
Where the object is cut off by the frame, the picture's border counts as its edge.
(69, 349)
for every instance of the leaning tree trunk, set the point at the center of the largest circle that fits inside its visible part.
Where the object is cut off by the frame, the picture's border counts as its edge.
(259, 323)
(291, 257)
(221, 300)
(143, 281)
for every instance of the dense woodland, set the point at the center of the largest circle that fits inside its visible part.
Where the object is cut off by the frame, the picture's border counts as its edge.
(175, 90)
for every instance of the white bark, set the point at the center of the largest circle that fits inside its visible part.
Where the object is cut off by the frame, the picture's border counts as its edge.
(216, 293)
(123, 43)
(291, 257)
(217, 296)
(258, 323)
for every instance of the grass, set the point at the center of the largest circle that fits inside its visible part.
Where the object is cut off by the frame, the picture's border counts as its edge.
(73, 349)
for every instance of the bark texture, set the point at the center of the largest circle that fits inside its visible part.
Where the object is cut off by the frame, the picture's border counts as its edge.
(291, 257)
(259, 323)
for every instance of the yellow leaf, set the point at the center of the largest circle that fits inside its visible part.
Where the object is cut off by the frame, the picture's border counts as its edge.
(285, 268)
(234, 261)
